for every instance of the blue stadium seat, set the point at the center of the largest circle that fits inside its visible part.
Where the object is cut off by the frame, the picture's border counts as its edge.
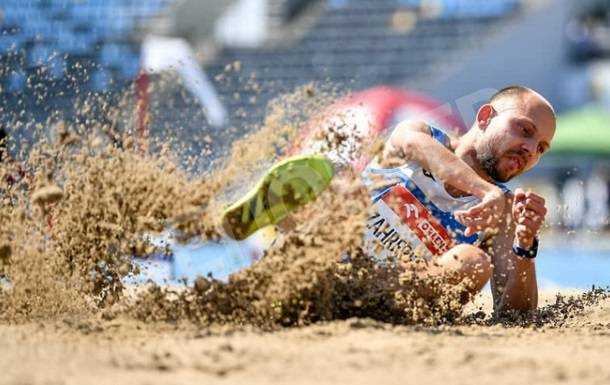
(114, 54)
(130, 66)
(477, 8)
(10, 43)
(410, 3)
(104, 3)
(76, 37)
(16, 81)
(15, 15)
(56, 66)
(56, 7)
(39, 30)
(39, 55)
(121, 26)
(100, 80)
(86, 12)
(75, 43)
(99, 32)
(145, 9)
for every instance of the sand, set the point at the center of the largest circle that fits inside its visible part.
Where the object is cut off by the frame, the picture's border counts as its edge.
(353, 351)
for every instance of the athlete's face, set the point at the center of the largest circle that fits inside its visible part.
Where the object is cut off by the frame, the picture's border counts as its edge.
(516, 133)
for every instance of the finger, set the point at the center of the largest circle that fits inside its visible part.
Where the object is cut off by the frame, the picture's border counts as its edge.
(533, 219)
(475, 210)
(537, 214)
(471, 223)
(529, 213)
(466, 220)
(524, 233)
(534, 210)
(519, 194)
(533, 197)
(480, 221)
(462, 217)
(533, 225)
(482, 209)
(469, 231)
(532, 203)
(519, 207)
(472, 214)
(523, 220)
(473, 229)
(466, 217)
(534, 194)
(537, 209)
(480, 224)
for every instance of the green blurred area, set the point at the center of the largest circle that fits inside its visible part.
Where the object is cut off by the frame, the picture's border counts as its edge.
(583, 132)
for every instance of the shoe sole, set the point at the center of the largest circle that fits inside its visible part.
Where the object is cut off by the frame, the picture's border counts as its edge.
(287, 186)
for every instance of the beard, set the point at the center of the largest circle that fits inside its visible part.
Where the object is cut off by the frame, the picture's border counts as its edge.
(489, 163)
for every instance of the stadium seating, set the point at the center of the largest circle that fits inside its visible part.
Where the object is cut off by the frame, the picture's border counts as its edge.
(355, 44)
(358, 43)
(60, 35)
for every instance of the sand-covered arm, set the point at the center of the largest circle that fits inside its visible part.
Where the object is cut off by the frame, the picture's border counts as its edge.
(414, 141)
(513, 281)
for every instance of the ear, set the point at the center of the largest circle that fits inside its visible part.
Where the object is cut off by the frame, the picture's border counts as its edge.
(484, 115)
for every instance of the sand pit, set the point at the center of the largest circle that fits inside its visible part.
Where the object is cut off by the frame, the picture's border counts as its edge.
(353, 351)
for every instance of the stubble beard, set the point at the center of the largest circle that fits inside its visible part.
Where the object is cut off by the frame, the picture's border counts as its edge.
(489, 162)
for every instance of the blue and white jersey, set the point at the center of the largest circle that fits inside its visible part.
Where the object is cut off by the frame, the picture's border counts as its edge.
(413, 213)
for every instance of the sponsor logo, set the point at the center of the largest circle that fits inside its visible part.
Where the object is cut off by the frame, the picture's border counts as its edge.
(432, 235)
(411, 211)
(417, 217)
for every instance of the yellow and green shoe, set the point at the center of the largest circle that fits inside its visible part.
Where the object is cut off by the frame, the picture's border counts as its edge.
(288, 185)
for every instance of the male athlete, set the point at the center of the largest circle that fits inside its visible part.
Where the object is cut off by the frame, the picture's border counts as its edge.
(445, 202)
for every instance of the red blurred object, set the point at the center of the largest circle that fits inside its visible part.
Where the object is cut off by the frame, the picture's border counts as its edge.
(371, 113)
(389, 105)
(142, 104)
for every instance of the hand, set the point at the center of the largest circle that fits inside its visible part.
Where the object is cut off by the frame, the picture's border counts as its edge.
(528, 212)
(486, 215)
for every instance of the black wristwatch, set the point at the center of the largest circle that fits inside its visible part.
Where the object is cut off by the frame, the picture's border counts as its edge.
(527, 253)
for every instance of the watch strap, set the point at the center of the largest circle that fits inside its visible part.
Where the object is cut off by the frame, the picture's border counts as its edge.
(527, 253)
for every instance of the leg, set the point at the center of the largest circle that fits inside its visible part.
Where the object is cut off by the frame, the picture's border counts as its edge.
(460, 263)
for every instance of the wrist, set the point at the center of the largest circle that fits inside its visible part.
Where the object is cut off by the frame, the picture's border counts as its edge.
(485, 189)
(524, 243)
(526, 251)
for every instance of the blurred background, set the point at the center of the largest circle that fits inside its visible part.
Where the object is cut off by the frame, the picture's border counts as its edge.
(222, 61)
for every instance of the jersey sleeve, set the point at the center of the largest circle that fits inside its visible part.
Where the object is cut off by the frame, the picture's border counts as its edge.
(440, 136)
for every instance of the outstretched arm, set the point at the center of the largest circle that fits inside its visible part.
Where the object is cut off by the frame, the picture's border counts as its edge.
(414, 142)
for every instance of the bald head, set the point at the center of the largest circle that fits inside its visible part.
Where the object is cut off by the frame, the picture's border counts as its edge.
(516, 96)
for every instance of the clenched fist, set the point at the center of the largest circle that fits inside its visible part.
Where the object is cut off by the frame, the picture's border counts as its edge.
(528, 212)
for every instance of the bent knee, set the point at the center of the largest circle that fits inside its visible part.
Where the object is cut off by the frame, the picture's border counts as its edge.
(472, 260)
